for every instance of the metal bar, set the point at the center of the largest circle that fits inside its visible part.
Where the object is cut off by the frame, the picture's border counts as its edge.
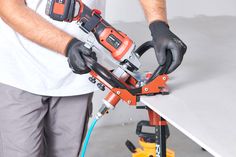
(162, 137)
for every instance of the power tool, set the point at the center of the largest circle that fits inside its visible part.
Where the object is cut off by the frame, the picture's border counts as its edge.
(122, 82)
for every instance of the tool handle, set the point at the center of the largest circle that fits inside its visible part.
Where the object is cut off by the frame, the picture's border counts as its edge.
(130, 146)
(103, 73)
(160, 69)
(147, 136)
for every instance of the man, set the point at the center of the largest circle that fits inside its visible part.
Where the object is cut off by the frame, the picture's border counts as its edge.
(44, 105)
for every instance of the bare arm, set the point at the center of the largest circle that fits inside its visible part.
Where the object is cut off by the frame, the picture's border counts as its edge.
(154, 10)
(164, 40)
(32, 26)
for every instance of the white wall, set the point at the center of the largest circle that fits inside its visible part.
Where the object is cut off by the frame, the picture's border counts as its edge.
(130, 10)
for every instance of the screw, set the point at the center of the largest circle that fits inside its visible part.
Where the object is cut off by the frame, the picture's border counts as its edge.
(118, 92)
(146, 89)
(164, 78)
(129, 101)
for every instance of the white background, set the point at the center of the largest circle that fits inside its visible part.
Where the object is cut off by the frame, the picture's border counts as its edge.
(130, 10)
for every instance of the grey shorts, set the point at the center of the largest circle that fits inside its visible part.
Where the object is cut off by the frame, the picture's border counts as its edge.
(40, 126)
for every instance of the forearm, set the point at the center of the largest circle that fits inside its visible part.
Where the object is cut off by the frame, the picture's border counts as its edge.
(154, 10)
(32, 26)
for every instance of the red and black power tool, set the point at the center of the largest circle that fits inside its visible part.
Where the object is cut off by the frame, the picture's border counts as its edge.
(122, 82)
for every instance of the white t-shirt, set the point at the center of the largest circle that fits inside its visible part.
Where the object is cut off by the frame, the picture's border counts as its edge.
(30, 67)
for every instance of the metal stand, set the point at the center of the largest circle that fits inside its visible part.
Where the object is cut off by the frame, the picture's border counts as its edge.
(153, 143)
(161, 131)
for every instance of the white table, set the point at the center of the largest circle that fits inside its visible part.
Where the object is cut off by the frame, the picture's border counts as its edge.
(202, 103)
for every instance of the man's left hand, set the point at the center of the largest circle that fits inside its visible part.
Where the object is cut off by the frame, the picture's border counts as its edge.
(164, 41)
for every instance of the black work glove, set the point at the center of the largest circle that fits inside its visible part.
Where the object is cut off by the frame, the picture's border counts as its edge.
(75, 52)
(165, 40)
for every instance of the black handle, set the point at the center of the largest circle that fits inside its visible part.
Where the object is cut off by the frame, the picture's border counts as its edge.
(160, 69)
(150, 136)
(147, 136)
(103, 73)
(130, 146)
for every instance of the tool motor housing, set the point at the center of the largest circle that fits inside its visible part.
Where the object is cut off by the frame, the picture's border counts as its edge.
(117, 43)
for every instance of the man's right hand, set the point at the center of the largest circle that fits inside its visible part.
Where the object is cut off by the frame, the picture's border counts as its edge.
(75, 52)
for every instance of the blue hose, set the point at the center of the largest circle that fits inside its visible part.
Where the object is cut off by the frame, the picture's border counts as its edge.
(86, 141)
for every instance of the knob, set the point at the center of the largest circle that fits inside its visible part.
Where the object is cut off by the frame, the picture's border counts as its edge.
(92, 79)
(101, 86)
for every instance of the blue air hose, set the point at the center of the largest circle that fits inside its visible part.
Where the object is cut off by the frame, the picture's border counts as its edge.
(86, 141)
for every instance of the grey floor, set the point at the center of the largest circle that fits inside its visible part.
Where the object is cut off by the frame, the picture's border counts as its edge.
(110, 141)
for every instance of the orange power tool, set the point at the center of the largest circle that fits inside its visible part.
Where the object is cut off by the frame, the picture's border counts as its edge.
(122, 82)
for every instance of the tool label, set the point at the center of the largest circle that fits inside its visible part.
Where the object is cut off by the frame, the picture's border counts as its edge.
(113, 41)
(158, 151)
(60, 1)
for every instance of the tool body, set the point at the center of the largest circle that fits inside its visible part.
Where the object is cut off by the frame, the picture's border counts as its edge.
(122, 82)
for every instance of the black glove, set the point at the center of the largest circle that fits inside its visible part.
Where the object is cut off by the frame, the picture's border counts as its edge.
(165, 40)
(75, 52)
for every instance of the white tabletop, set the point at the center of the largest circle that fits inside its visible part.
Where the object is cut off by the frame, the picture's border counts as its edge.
(202, 102)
